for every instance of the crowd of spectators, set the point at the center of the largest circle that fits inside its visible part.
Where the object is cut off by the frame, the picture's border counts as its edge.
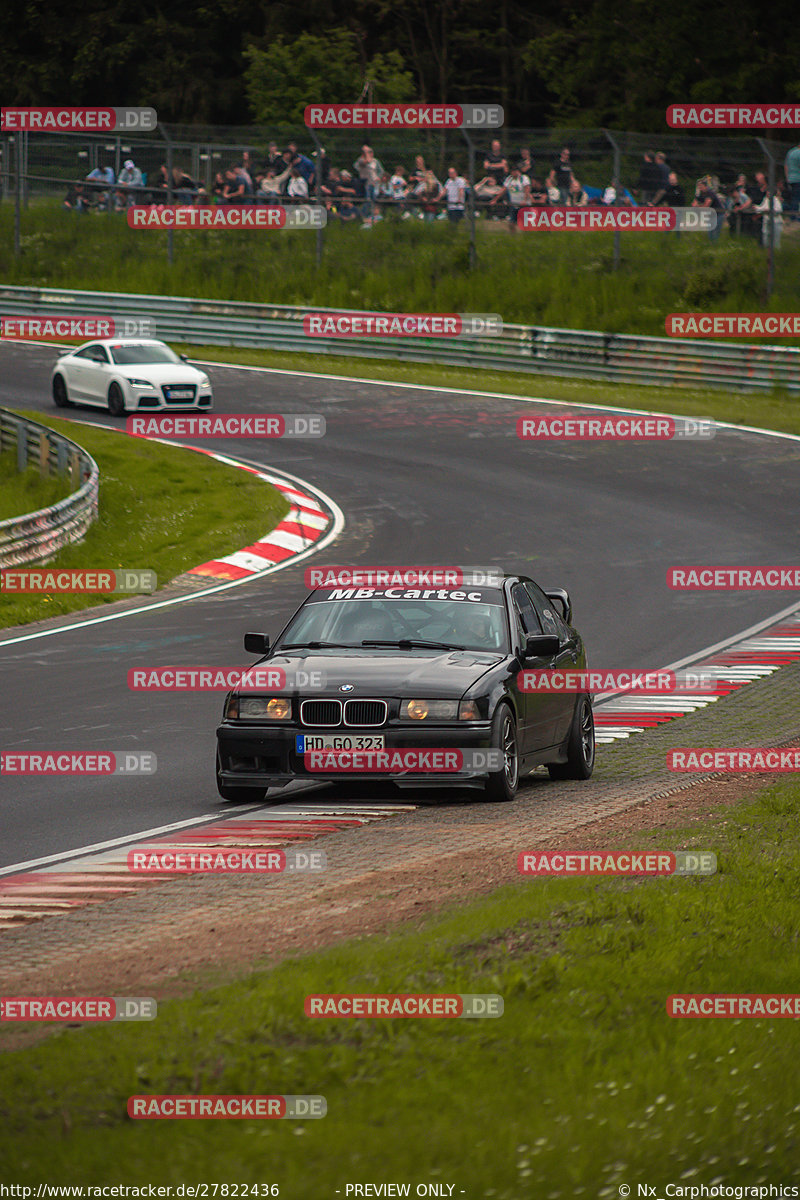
(370, 192)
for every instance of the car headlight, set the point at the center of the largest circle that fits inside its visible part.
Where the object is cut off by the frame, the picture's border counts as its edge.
(269, 708)
(205, 381)
(433, 710)
(141, 383)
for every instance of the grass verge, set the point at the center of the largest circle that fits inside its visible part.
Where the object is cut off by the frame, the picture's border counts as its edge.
(27, 491)
(583, 1086)
(563, 280)
(160, 507)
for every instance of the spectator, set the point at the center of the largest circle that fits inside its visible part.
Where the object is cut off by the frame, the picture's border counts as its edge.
(649, 179)
(129, 177)
(561, 176)
(517, 189)
(184, 187)
(238, 187)
(370, 171)
(346, 193)
(743, 209)
(455, 190)
(674, 196)
(777, 212)
(660, 177)
(707, 195)
(398, 191)
(791, 169)
(101, 179)
(75, 199)
(526, 162)
(248, 165)
(610, 194)
(429, 196)
(495, 163)
(218, 187)
(297, 187)
(274, 158)
(487, 190)
(321, 167)
(417, 176)
(577, 196)
(302, 163)
(270, 187)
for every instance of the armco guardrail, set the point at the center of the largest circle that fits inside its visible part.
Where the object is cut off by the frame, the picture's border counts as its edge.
(663, 362)
(36, 536)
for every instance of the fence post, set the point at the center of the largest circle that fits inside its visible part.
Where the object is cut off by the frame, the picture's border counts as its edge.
(170, 232)
(17, 196)
(318, 193)
(473, 250)
(771, 237)
(617, 185)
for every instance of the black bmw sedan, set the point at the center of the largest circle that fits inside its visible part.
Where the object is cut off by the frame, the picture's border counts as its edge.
(420, 687)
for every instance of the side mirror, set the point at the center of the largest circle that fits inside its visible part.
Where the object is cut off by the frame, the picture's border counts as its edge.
(183, 357)
(256, 643)
(560, 597)
(542, 645)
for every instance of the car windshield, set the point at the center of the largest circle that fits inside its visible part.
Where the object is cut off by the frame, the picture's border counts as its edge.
(406, 623)
(143, 352)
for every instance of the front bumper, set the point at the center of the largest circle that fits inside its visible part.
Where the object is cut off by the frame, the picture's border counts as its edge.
(155, 402)
(252, 755)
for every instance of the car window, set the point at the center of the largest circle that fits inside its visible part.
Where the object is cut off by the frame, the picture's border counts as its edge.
(474, 625)
(525, 610)
(550, 620)
(143, 352)
(91, 352)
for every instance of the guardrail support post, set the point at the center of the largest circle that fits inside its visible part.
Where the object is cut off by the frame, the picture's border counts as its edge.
(22, 447)
(318, 193)
(771, 236)
(17, 194)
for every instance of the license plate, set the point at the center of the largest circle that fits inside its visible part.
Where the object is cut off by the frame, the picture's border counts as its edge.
(180, 393)
(305, 742)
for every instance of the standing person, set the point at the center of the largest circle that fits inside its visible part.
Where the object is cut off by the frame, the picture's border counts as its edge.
(297, 187)
(455, 189)
(674, 196)
(495, 163)
(398, 191)
(648, 178)
(743, 209)
(660, 177)
(777, 210)
(791, 169)
(370, 171)
(526, 162)
(561, 176)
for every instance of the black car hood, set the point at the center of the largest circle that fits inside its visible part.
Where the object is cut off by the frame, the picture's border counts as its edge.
(426, 673)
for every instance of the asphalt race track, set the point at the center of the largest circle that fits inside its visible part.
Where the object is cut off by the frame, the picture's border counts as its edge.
(422, 477)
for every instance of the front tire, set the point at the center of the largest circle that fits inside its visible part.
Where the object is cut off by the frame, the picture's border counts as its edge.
(60, 397)
(501, 785)
(580, 745)
(116, 401)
